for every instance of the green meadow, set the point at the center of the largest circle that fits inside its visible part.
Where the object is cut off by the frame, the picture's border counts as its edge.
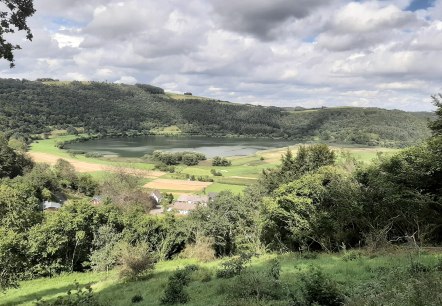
(361, 277)
(244, 170)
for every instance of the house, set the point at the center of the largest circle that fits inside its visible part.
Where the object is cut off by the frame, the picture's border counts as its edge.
(96, 200)
(187, 93)
(186, 203)
(51, 206)
(156, 195)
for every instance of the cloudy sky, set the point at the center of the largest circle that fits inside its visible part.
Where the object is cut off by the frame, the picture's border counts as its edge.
(272, 52)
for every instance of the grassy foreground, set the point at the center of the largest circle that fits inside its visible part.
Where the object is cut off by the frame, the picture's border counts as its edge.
(364, 279)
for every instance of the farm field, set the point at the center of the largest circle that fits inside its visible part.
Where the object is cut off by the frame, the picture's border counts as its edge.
(244, 170)
(357, 278)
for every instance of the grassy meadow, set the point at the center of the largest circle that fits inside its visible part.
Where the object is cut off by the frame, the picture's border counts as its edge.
(244, 170)
(359, 275)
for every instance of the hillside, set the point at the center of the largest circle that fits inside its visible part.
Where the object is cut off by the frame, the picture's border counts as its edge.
(28, 107)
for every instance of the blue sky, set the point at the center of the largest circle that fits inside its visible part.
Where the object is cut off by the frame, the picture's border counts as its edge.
(273, 52)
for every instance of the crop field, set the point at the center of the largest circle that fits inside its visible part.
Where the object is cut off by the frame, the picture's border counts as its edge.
(179, 185)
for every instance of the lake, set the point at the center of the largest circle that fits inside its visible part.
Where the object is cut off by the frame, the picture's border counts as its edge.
(139, 146)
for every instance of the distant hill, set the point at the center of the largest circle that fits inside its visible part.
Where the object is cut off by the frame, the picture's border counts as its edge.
(28, 107)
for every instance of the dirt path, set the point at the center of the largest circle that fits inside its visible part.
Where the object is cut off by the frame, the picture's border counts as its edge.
(179, 185)
(82, 166)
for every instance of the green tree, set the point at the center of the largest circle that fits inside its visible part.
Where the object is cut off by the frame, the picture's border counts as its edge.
(319, 210)
(308, 158)
(105, 255)
(436, 125)
(11, 20)
(13, 260)
(12, 163)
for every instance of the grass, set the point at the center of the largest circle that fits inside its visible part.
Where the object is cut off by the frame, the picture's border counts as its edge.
(243, 171)
(354, 277)
(218, 187)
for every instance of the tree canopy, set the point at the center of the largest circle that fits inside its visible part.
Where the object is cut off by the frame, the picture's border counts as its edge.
(11, 20)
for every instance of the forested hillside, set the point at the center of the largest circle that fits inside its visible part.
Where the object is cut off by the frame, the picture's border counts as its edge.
(28, 107)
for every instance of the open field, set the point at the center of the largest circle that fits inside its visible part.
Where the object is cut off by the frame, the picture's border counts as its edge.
(81, 166)
(244, 171)
(179, 185)
(355, 277)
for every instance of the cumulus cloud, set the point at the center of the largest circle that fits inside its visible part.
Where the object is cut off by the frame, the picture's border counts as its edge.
(280, 52)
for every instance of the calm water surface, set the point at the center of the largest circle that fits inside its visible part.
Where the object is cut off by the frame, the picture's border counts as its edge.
(139, 146)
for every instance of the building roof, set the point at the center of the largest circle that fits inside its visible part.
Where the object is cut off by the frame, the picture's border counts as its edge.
(48, 205)
(97, 198)
(193, 198)
(178, 205)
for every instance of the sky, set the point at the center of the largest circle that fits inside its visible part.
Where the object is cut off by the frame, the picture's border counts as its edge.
(308, 53)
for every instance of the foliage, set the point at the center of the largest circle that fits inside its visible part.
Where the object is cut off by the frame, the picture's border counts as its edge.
(115, 109)
(233, 266)
(105, 255)
(320, 289)
(255, 286)
(12, 163)
(228, 220)
(174, 292)
(136, 262)
(175, 158)
(318, 210)
(12, 258)
(124, 190)
(77, 297)
(13, 19)
(136, 299)
(221, 162)
(307, 159)
(201, 249)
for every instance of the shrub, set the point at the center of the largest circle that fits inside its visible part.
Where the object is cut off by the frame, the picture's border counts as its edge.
(257, 285)
(136, 299)
(202, 249)
(203, 275)
(93, 154)
(136, 261)
(352, 255)
(320, 289)
(221, 161)
(174, 292)
(234, 266)
(77, 297)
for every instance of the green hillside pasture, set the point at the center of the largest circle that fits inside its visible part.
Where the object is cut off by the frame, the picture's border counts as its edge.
(357, 278)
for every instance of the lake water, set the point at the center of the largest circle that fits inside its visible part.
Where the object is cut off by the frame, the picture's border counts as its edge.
(139, 146)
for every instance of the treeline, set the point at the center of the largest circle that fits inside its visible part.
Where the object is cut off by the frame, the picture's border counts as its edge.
(28, 108)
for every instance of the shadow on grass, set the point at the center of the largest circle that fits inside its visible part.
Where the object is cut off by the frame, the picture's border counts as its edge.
(32, 297)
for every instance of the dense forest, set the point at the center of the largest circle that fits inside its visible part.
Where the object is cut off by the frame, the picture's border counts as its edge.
(34, 107)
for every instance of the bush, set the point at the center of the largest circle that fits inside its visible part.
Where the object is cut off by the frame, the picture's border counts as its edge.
(77, 297)
(352, 255)
(234, 266)
(203, 275)
(136, 261)
(320, 289)
(93, 154)
(136, 299)
(202, 249)
(174, 292)
(221, 161)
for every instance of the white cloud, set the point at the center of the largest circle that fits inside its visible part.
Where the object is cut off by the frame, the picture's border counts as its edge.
(308, 53)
